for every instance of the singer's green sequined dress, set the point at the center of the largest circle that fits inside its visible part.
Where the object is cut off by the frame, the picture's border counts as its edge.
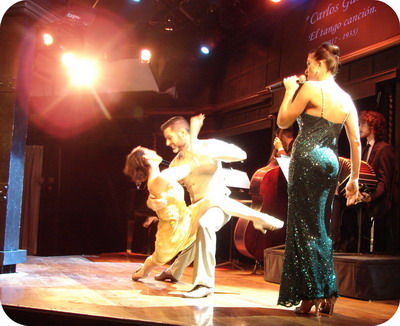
(308, 271)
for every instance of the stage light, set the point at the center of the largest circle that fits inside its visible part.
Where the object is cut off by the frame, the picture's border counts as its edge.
(47, 39)
(208, 43)
(276, 1)
(204, 49)
(84, 72)
(145, 56)
(169, 24)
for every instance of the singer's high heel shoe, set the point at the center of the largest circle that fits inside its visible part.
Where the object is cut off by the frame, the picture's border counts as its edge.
(306, 306)
(327, 305)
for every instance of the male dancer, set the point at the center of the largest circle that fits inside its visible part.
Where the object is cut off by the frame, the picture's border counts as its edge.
(204, 180)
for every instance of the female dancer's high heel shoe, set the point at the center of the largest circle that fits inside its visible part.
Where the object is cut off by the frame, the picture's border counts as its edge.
(306, 306)
(267, 222)
(138, 274)
(327, 305)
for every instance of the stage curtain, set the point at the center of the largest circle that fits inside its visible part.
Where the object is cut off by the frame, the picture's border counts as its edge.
(31, 198)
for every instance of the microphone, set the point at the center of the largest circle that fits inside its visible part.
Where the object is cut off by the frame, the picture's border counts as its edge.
(277, 86)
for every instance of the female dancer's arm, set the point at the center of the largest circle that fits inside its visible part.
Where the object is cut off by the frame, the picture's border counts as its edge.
(175, 173)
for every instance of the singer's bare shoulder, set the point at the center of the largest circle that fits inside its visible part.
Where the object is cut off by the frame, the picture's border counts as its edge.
(310, 87)
(341, 95)
(313, 87)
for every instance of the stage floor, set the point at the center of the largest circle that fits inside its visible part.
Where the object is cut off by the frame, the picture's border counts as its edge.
(100, 288)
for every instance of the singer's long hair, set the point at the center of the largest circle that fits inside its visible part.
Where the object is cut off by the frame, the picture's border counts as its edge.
(330, 53)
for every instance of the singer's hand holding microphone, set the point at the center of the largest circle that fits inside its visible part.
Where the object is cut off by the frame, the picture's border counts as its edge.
(292, 82)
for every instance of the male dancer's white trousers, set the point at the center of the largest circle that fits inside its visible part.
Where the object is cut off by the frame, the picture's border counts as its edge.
(202, 251)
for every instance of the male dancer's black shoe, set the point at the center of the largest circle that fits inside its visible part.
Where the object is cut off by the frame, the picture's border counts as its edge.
(165, 275)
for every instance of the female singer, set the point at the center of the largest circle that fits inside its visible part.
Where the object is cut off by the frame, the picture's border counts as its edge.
(321, 108)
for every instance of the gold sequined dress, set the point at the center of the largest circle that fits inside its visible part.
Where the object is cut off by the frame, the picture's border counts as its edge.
(308, 271)
(177, 233)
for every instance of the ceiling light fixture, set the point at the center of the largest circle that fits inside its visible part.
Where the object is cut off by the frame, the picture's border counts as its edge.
(204, 49)
(48, 39)
(145, 56)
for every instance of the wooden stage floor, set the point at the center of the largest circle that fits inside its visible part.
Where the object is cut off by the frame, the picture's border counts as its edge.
(98, 290)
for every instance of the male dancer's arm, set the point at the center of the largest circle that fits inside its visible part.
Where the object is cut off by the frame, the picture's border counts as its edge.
(219, 150)
(213, 148)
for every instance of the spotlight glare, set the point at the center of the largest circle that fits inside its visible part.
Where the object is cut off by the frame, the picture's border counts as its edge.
(145, 56)
(47, 39)
(83, 72)
(68, 59)
(275, 1)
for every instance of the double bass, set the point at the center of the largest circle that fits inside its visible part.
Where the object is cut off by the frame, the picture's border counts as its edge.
(268, 189)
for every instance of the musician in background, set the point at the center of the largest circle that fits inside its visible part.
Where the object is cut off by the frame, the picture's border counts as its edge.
(380, 156)
(283, 143)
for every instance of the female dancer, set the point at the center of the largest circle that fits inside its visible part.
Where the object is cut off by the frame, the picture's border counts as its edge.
(178, 223)
(321, 108)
